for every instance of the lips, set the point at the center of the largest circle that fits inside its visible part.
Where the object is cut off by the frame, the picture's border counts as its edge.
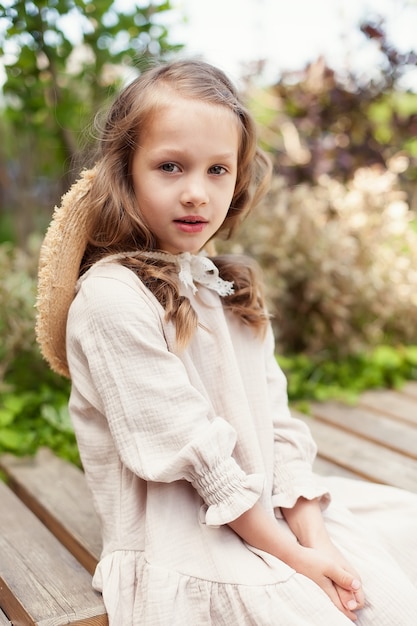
(191, 224)
(191, 219)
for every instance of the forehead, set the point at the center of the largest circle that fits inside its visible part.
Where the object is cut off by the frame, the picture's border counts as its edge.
(165, 101)
(191, 120)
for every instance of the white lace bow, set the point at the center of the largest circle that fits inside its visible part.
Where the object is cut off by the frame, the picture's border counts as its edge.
(200, 269)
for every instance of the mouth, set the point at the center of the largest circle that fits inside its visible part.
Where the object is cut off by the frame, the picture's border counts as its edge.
(191, 224)
(191, 220)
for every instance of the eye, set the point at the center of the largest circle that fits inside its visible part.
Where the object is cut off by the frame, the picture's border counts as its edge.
(169, 167)
(218, 170)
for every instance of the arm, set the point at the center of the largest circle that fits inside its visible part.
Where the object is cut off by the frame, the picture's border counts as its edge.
(294, 447)
(317, 558)
(299, 498)
(163, 427)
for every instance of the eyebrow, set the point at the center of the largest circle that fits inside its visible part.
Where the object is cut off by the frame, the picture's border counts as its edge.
(224, 156)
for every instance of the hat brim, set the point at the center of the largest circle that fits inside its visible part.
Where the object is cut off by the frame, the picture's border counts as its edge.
(60, 257)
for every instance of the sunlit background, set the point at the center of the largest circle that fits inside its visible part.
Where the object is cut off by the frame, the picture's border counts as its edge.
(332, 85)
(287, 35)
(284, 35)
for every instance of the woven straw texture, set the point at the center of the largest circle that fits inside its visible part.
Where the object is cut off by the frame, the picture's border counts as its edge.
(59, 263)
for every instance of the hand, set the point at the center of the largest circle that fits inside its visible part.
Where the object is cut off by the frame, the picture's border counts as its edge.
(332, 573)
(319, 559)
(309, 552)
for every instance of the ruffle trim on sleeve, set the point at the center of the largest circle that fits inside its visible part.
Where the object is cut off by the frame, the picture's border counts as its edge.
(227, 491)
(299, 482)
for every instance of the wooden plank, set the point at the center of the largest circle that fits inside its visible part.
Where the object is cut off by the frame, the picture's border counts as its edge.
(410, 389)
(56, 491)
(41, 583)
(380, 428)
(365, 458)
(390, 402)
(324, 467)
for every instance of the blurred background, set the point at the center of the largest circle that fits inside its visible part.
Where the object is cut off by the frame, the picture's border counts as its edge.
(333, 87)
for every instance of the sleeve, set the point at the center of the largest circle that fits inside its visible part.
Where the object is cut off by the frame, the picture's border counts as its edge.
(163, 428)
(294, 447)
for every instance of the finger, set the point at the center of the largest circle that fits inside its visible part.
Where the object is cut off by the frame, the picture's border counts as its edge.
(350, 598)
(344, 579)
(340, 599)
(349, 590)
(360, 598)
(358, 593)
(347, 598)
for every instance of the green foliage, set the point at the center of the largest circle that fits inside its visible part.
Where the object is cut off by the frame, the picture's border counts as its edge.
(17, 294)
(316, 122)
(63, 60)
(68, 55)
(6, 228)
(322, 378)
(33, 400)
(339, 261)
(31, 419)
(334, 237)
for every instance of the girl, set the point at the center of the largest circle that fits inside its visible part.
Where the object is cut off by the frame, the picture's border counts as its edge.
(202, 480)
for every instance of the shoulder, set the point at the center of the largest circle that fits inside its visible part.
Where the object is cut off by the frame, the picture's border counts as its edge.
(110, 290)
(101, 273)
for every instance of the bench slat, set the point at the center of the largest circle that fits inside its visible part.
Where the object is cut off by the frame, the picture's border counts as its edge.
(383, 429)
(324, 467)
(389, 402)
(410, 389)
(41, 583)
(56, 491)
(367, 459)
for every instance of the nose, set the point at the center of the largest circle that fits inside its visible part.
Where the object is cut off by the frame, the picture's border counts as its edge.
(194, 192)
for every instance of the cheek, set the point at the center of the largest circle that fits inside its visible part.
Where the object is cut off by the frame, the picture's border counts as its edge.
(142, 194)
(135, 188)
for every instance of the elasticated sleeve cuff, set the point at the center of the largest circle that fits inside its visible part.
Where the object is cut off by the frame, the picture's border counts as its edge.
(227, 491)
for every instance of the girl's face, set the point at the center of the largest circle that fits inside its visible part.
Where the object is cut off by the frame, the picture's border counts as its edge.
(184, 172)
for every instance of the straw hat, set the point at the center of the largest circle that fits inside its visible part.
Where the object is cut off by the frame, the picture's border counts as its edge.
(60, 257)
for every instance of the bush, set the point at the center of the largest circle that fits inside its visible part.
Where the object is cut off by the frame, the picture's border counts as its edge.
(17, 294)
(320, 378)
(339, 261)
(33, 404)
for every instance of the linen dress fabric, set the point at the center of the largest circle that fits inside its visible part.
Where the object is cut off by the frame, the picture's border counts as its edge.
(176, 444)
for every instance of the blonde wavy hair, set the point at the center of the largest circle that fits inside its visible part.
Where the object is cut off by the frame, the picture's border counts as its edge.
(115, 223)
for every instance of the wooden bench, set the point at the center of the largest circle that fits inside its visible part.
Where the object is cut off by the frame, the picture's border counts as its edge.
(49, 544)
(49, 532)
(376, 439)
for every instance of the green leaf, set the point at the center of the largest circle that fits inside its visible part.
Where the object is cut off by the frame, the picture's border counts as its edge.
(14, 440)
(411, 354)
(6, 417)
(386, 357)
(58, 417)
(16, 403)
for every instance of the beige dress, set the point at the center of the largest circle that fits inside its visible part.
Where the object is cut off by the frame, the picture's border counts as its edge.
(177, 444)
